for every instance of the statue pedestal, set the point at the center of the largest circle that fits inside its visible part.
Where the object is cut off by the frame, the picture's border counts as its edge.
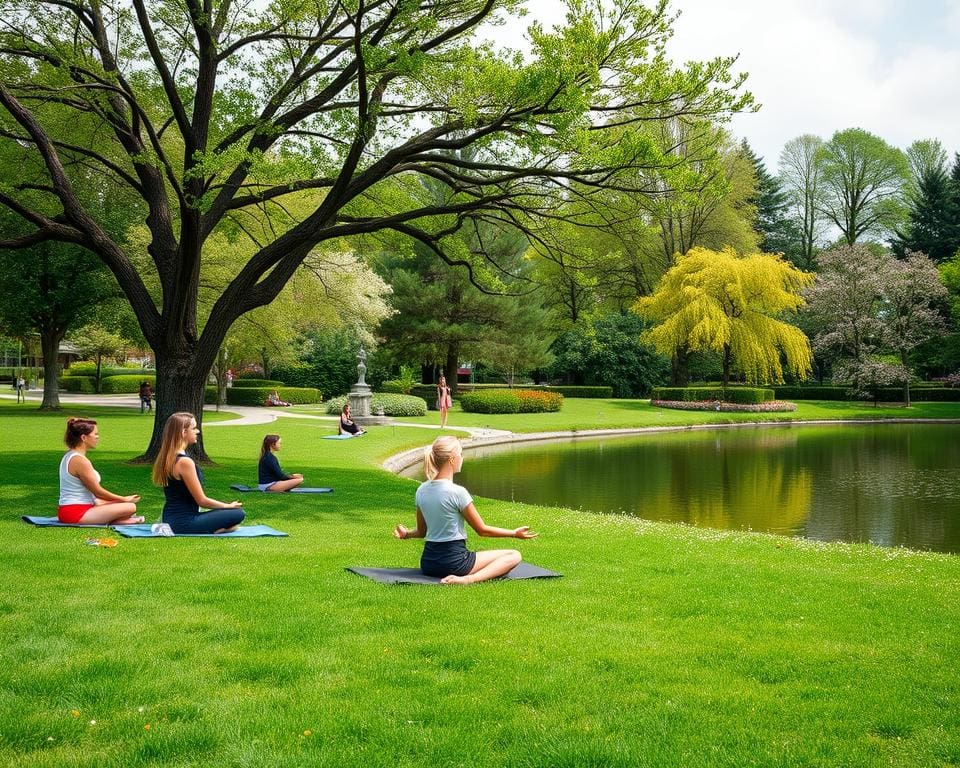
(360, 410)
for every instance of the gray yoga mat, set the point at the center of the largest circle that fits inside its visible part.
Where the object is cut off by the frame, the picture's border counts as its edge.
(243, 532)
(416, 576)
(54, 522)
(254, 489)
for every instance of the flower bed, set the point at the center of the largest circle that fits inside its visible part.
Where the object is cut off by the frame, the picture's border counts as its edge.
(773, 406)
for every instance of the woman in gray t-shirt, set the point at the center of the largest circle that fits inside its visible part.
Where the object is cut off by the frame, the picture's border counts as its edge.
(442, 508)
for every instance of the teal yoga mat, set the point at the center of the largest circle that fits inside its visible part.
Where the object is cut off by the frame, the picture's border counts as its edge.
(54, 522)
(342, 437)
(243, 532)
(254, 489)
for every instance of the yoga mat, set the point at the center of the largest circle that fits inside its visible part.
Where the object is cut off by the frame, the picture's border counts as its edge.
(243, 532)
(54, 522)
(248, 489)
(416, 576)
(341, 437)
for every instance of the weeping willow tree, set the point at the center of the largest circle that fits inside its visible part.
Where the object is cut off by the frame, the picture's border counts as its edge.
(719, 300)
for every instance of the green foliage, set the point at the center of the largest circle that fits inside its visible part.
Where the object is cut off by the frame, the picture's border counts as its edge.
(241, 383)
(114, 385)
(739, 395)
(328, 362)
(812, 393)
(608, 352)
(511, 401)
(83, 384)
(258, 395)
(393, 404)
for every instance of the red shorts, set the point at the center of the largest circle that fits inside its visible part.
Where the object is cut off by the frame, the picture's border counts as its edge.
(73, 513)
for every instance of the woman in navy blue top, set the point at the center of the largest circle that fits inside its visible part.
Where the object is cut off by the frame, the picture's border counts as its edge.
(271, 477)
(182, 482)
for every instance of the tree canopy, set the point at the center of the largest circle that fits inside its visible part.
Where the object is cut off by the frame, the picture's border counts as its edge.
(203, 112)
(722, 301)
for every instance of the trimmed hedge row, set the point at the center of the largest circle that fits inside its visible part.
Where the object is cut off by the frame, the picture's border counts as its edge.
(573, 391)
(247, 383)
(258, 395)
(86, 368)
(393, 404)
(924, 392)
(114, 385)
(511, 401)
(742, 395)
(81, 384)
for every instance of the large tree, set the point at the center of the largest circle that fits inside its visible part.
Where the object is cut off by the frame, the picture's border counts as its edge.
(732, 304)
(209, 109)
(800, 174)
(863, 184)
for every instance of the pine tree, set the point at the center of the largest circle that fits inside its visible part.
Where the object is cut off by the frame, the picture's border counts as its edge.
(778, 232)
(932, 227)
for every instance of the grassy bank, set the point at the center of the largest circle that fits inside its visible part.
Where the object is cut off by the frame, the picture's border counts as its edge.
(661, 646)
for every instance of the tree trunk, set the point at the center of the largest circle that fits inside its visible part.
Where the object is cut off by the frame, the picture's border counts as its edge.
(680, 367)
(906, 379)
(726, 366)
(180, 387)
(451, 366)
(50, 348)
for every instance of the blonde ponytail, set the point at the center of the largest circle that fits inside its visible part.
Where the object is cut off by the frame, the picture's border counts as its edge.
(444, 449)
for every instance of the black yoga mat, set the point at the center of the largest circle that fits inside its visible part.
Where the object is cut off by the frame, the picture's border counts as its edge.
(416, 576)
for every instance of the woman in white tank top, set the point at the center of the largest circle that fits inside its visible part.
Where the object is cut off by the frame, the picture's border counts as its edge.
(83, 501)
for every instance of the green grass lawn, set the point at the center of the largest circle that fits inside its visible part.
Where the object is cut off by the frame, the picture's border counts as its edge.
(580, 413)
(662, 645)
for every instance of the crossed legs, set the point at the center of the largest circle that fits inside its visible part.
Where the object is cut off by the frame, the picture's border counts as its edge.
(490, 564)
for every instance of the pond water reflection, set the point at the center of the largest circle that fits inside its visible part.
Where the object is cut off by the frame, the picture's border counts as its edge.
(894, 485)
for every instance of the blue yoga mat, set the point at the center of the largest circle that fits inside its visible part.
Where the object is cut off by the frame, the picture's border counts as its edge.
(341, 437)
(250, 488)
(54, 522)
(244, 532)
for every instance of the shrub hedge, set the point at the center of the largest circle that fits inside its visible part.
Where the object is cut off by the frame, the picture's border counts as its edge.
(258, 395)
(812, 393)
(511, 401)
(922, 392)
(256, 383)
(393, 404)
(114, 385)
(572, 391)
(87, 368)
(742, 395)
(82, 384)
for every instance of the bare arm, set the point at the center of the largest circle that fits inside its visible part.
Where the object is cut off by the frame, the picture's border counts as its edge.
(81, 468)
(188, 473)
(471, 515)
(402, 532)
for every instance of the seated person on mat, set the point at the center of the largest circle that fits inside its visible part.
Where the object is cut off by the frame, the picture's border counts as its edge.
(274, 399)
(182, 482)
(270, 476)
(83, 501)
(347, 427)
(442, 506)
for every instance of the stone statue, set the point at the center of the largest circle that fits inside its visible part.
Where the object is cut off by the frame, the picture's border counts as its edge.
(362, 367)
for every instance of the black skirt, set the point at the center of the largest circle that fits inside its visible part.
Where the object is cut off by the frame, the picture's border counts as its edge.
(447, 558)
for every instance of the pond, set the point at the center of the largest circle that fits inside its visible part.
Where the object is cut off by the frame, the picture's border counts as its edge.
(890, 484)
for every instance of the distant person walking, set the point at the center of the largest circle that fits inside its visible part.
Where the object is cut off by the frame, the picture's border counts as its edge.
(146, 397)
(20, 385)
(444, 400)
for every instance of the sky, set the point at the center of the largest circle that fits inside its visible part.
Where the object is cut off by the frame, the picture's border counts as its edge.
(891, 67)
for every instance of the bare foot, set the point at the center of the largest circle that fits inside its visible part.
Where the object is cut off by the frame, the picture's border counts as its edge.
(455, 580)
(227, 530)
(129, 521)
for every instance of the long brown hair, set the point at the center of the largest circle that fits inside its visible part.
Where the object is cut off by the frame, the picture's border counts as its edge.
(269, 443)
(77, 428)
(172, 443)
(444, 449)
